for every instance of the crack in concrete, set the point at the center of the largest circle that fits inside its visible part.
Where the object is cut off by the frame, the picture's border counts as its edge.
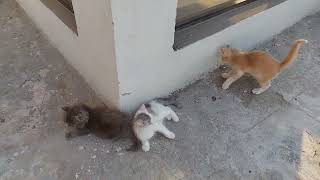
(25, 82)
(302, 108)
(307, 113)
(259, 122)
(288, 102)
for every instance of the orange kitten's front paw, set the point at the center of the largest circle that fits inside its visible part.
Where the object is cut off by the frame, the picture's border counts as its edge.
(257, 91)
(225, 75)
(225, 86)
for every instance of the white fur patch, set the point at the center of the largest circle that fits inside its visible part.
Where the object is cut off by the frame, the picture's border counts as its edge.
(158, 113)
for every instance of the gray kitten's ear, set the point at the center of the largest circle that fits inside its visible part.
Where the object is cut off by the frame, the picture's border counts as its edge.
(228, 46)
(65, 108)
(142, 110)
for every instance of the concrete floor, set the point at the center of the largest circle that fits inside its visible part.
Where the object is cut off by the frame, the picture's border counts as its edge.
(222, 134)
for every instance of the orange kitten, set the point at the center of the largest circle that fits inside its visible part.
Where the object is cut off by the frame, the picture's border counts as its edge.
(261, 65)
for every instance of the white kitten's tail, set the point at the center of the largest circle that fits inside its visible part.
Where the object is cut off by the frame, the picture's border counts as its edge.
(293, 53)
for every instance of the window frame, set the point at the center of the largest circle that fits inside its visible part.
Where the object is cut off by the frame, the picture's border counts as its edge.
(63, 12)
(205, 26)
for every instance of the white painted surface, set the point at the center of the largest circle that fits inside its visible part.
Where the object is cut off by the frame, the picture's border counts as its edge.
(92, 52)
(144, 34)
(142, 59)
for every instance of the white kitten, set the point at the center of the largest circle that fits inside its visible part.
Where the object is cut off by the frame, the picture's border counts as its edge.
(149, 119)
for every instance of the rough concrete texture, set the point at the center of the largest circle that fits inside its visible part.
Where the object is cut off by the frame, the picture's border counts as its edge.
(222, 134)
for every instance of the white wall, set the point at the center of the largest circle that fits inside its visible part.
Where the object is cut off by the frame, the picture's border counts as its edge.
(144, 34)
(132, 61)
(92, 52)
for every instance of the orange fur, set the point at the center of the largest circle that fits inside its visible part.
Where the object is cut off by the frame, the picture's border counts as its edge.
(261, 65)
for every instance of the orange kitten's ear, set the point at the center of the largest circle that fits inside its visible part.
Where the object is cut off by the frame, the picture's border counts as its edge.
(236, 51)
(222, 51)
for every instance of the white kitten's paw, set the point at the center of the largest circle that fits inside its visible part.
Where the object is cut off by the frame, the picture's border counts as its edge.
(145, 147)
(225, 86)
(257, 91)
(175, 118)
(171, 135)
(225, 75)
(302, 41)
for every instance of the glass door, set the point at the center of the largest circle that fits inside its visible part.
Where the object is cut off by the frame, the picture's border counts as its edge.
(189, 10)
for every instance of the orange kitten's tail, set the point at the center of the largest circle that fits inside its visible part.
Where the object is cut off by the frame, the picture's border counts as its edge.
(293, 53)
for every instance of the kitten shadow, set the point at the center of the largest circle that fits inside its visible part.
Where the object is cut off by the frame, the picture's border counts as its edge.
(241, 88)
(103, 122)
